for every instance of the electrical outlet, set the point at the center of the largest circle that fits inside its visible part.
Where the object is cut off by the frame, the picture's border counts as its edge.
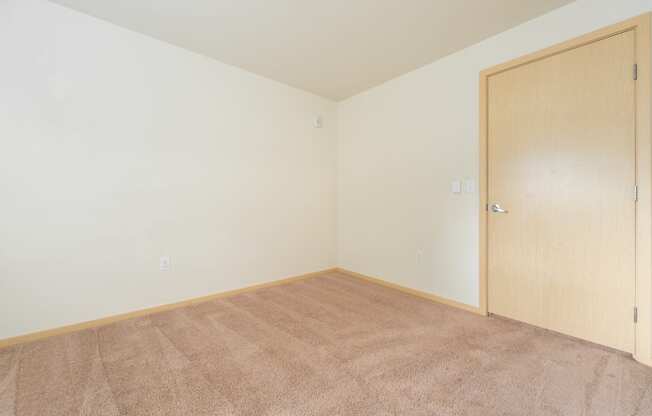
(164, 263)
(419, 257)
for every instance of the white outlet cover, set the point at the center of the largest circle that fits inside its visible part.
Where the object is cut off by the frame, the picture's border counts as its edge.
(419, 256)
(164, 263)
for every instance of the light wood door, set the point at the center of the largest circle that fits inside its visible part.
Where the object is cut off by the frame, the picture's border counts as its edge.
(561, 161)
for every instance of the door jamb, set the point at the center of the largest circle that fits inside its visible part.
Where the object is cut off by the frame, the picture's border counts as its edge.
(643, 276)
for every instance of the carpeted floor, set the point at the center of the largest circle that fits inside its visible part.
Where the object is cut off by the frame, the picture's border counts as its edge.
(328, 346)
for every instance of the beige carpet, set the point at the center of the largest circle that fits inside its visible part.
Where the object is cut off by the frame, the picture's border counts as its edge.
(325, 346)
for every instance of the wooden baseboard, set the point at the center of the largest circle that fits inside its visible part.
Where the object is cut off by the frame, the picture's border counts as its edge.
(148, 311)
(414, 292)
(35, 336)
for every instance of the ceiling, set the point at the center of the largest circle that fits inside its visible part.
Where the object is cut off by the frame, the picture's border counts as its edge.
(333, 48)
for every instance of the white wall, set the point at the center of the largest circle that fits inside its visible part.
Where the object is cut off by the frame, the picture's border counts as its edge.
(402, 143)
(116, 149)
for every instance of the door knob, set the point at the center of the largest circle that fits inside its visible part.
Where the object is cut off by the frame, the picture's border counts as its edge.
(497, 209)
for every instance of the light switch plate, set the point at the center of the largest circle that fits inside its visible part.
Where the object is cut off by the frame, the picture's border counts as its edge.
(456, 187)
(469, 186)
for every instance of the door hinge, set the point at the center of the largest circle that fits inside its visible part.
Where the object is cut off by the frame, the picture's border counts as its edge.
(635, 72)
(635, 314)
(635, 193)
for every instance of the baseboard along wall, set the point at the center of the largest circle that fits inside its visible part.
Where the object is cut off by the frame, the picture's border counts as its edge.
(35, 336)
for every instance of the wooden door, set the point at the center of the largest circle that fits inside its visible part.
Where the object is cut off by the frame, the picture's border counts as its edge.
(561, 162)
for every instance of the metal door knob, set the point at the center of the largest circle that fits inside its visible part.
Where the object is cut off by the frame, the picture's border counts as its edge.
(497, 209)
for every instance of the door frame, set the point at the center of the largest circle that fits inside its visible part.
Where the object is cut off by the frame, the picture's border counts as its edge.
(643, 274)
